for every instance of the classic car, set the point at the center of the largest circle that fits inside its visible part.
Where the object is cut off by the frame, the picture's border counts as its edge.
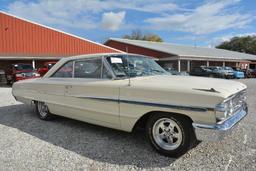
(127, 91)
(20, 71)
(47, 66)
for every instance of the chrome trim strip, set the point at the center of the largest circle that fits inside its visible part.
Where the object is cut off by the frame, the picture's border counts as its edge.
(193, 108)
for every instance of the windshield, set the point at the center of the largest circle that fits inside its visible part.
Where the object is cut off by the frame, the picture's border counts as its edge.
(23, 67)
(138, 66)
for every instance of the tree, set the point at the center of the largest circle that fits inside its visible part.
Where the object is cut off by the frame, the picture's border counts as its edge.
(138, 35)
(245, 44)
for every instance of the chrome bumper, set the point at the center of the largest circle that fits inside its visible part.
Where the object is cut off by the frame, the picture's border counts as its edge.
(218, 131)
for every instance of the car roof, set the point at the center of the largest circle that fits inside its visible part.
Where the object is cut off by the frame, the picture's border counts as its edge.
(81, 57)
(101, 55)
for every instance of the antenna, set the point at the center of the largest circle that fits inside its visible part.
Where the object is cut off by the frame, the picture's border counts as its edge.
(128, 66)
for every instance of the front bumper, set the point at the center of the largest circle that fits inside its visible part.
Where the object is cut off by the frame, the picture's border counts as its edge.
(218, 131)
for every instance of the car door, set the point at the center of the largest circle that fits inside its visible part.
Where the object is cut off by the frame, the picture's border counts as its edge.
(92, 95)
(53, 89)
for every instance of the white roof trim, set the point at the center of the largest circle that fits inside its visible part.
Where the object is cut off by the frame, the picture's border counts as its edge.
(60, 31)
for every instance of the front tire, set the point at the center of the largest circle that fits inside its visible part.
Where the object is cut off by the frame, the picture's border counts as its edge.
(43, 111)
(170, 135)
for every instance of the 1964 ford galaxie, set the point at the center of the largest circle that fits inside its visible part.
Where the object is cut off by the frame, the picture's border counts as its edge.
(123, 91)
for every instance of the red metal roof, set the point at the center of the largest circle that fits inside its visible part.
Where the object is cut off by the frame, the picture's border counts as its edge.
(20, 37)
(136, 49)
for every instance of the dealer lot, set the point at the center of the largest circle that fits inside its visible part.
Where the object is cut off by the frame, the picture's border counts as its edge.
(27, 143)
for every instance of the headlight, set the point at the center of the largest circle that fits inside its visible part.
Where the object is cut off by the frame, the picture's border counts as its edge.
(221, 110)
(224, 110)
(230, 106)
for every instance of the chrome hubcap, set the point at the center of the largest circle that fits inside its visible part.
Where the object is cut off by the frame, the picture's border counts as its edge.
(167, 134)
(42, 109)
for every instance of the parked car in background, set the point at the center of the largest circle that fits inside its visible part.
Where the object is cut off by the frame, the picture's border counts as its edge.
(47, 66)
(238, 73)
(221, 72)
(175, 72)
(202, 71)
(125, 91)
(20, 71)
(249, 73)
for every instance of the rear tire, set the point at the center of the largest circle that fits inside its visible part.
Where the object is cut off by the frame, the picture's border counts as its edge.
(170, 135)
(43, 111)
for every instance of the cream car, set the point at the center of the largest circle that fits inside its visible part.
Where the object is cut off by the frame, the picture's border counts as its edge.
(123, 91)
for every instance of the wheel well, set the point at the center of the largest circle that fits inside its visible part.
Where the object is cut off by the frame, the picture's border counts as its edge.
(141, 123)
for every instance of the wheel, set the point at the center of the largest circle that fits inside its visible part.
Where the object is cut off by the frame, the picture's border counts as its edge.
(170, 135)
(43, 111)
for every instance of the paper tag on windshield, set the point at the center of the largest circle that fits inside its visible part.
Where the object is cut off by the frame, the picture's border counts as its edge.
(116, 60)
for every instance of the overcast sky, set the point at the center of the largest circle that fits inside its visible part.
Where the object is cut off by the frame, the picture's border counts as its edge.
(201, 22)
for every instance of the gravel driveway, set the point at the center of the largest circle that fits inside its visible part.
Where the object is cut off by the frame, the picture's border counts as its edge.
(27, 143)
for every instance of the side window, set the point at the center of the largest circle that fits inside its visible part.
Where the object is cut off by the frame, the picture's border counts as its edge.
(90, 68)
(105, 73)
(65, 71)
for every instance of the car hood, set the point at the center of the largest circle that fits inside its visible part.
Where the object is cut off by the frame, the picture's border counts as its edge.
(179, 90)
(192, 84)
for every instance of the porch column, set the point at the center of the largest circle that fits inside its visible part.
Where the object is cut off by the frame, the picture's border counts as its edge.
(223, 64)
(237, 64)
(178, 65)
(34, 64)
(207, 63)
(188, 66)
